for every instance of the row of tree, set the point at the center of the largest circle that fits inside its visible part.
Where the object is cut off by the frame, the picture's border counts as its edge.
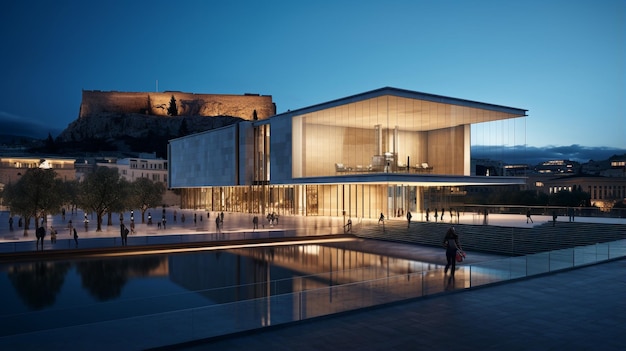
(39, 193)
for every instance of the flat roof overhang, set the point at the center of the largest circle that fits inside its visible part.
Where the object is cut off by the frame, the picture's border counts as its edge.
(419, 111)
(414, 180)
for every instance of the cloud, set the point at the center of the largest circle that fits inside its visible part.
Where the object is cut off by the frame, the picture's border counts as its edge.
(533, 155)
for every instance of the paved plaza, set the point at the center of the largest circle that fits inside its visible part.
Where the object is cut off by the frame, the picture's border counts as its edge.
(580, 309)
(237, 222)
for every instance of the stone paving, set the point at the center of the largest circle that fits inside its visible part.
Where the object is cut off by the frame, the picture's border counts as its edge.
(580, 309)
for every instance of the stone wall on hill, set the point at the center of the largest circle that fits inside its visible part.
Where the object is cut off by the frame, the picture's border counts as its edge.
(96, 102)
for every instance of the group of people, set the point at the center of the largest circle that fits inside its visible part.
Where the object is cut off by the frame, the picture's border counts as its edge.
(440, 215)
(40, 235)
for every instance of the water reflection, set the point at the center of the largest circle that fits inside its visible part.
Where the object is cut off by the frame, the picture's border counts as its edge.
(104, 279)
(38, 283)
(113, 288)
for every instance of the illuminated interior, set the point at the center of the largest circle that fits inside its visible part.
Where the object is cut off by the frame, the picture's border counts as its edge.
(387, 134)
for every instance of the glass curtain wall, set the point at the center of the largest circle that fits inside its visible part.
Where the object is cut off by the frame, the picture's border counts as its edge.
(262, 154)
(243, 199)
(357, 200)
(390, 134)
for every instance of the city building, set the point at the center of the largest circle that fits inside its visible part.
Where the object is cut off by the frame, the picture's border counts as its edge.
(558, 167)
(12, 168)
(384, 151)
(604, 192)
(145, 165)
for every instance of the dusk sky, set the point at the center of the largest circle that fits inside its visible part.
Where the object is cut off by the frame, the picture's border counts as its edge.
(564, 61)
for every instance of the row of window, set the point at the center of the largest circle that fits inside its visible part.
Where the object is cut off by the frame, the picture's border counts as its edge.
(607, 192)
(156, 177)
(145, 165)
(597, 192)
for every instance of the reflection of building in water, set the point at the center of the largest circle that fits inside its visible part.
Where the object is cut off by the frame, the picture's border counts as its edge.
(232, 275)
(387, 150)
(161, 269)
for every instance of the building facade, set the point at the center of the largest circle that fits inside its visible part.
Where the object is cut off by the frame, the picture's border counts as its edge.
(12, 168)
(384, 151)
(144, 166)
(604, 192)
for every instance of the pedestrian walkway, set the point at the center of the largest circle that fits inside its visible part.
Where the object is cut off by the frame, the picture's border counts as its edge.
(241, 222)
(234, 226)
(580, 309)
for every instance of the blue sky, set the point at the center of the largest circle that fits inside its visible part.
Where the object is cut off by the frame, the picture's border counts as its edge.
(564, 61)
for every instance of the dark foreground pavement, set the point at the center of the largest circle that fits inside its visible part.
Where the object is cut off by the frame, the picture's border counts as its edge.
(579, 309)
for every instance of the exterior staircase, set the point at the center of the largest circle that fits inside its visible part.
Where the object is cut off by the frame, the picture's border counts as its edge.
(513, 241)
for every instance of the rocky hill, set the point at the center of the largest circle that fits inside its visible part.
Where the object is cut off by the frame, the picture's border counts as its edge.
(125, 133)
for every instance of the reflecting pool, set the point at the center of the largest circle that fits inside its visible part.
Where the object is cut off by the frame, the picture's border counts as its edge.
(55, 294)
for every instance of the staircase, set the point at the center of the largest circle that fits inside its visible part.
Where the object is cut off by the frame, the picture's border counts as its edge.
(511, 241)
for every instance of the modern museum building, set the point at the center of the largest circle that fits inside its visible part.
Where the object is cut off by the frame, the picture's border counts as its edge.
(384, 151)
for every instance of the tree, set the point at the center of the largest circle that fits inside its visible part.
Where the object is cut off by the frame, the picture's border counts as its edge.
(146, 194)
(172, 110)
(100, 192)
(121, 203)
(37, 194)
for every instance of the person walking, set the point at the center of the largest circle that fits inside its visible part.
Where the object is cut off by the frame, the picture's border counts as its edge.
(452, 245)
(436, 215)
(122, 232)
(40, 233)
(428, 214)
(381, 218)
(528, 218)
(408, 218)
(75, 237)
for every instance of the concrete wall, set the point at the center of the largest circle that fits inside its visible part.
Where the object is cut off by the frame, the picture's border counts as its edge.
(188, 104)
(281, 151)
(204, 159)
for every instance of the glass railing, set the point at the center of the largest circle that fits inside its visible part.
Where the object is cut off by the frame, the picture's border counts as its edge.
(290, 300)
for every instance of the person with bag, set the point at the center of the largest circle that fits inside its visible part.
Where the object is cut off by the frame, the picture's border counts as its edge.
(452, 245)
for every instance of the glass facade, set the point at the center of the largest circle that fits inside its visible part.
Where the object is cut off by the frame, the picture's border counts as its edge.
(386, 134)
(387, 151)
